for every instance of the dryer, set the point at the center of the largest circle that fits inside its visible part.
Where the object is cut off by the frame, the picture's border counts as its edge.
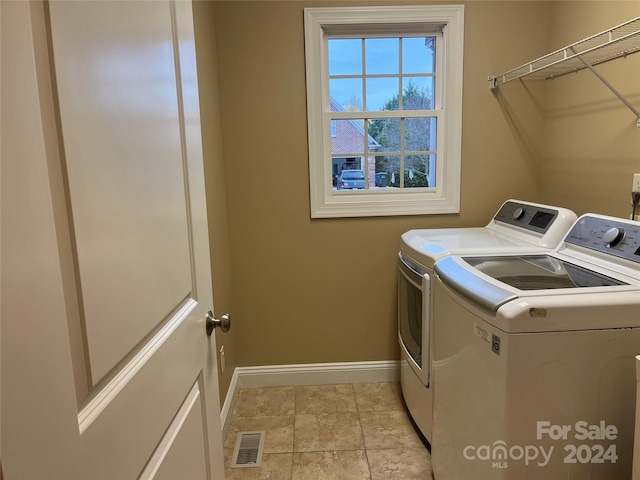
(517, 226)
(534, 358)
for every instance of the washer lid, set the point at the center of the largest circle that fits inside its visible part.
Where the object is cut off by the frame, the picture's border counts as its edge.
(428, 246)
(468, 276)
(539, 272)
(469, 284)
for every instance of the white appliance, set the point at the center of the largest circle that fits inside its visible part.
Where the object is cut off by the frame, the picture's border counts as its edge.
(636, 442)
(534, 359)
(517, 226)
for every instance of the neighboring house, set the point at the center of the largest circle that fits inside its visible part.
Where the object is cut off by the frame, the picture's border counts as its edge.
(347, 139)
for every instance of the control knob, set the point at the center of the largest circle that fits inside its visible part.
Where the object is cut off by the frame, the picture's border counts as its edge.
(613, 236)
(518, 213)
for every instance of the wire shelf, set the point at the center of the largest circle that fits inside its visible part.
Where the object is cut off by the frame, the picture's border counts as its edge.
(616, 42)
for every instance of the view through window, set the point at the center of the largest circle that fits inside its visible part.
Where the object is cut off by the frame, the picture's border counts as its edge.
(384, 103)
(390, 83)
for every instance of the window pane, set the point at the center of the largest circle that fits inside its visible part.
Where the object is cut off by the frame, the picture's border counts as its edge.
(384, 166)
(418, 55)
(349, 138)
(382, 55)
(382, 94)
(345, 57)
(432, 170)
(416, 171)
(386, 131)
(347, 173)
(418, 135)
(347, 93)
(433, 133)
(417, 93)
(387, 171)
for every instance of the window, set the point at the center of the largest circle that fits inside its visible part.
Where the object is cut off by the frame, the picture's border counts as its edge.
(384, 96)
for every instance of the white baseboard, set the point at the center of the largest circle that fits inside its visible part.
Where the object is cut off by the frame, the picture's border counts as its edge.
(305, 374)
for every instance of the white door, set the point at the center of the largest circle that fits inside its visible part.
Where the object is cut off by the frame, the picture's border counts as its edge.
(107, 371)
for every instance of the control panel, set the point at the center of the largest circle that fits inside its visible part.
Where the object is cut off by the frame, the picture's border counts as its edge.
(530, 217)
(613, 236)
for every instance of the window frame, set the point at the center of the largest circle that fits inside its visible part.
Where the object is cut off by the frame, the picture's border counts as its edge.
(320, 24)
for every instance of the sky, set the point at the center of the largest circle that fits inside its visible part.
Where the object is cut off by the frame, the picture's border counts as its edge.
(381, 67)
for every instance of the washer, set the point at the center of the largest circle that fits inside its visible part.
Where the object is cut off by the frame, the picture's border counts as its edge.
(517, 226)
(534, 358)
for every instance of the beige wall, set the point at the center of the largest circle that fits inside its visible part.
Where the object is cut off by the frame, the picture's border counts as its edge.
(592, 144)
(324, 290)
(215, 180)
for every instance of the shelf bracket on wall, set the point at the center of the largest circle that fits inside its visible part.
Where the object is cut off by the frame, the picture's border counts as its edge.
(616, 42)
(610, 87)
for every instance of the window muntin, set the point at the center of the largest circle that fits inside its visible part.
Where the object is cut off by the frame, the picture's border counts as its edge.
(386, 74)
(366, 73)
(379, 72)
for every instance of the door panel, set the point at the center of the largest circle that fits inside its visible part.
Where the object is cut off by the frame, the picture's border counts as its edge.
(122, 145)
(178, 444)
(107, 369)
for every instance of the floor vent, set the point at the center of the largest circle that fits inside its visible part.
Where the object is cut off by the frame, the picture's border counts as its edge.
(248, 450)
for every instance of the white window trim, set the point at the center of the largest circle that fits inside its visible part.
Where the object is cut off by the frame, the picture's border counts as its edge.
(445, 198)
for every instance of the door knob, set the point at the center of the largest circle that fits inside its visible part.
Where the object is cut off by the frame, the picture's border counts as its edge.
(223, 322)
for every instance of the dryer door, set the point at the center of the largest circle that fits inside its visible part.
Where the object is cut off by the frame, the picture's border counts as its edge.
(413, 317)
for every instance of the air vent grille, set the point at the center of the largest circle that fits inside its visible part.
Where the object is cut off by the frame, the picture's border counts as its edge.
(248, 450)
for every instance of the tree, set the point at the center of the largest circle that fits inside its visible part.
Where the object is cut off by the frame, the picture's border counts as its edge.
(353, 105)
(417, 133)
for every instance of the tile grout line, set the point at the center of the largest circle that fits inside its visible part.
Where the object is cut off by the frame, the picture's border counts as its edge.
(364, 443)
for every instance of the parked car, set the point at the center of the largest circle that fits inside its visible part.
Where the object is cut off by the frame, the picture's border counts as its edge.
(350, 179)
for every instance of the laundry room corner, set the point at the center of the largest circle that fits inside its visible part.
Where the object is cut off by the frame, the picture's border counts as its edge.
(219, 248)
(324, 290)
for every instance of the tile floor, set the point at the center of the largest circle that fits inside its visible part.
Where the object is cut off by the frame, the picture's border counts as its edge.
(327, 432)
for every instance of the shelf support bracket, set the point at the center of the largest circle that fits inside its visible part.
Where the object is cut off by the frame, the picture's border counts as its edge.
(610, 87)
